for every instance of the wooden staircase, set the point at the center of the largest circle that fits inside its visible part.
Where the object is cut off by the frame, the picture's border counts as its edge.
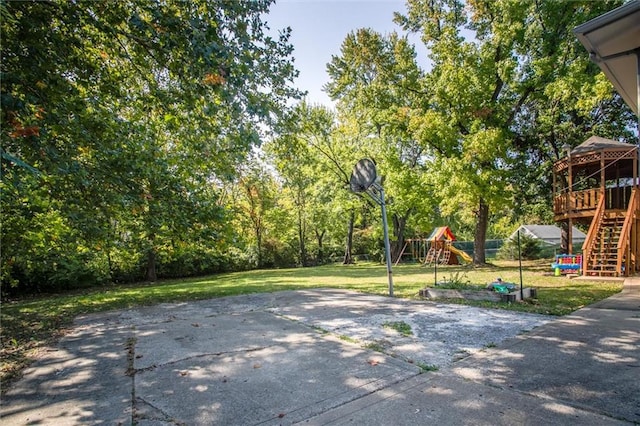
(602, 259)
(611, 246)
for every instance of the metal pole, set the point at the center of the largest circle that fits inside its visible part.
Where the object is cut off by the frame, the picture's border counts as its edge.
(520, 264)
(571, 206)
(435, 265)
(387, 247)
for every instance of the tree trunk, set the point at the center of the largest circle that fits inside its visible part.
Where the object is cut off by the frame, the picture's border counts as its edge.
(482, 221)
(347, 251)
(259, 244)
(302, 248)
(320, 254)
(152, 274)
(564, 237)
(110, 263)
(151, 265)
(399, 226)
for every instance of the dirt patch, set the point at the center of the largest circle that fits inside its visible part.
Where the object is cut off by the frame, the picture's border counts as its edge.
(440, 333)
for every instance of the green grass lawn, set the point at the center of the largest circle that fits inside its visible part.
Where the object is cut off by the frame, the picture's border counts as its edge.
(28, 325)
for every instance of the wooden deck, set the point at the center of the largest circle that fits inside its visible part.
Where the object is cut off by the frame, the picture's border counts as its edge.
(583, 204)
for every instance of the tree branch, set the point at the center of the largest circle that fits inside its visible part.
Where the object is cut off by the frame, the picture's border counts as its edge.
(518, 105)
(499, 82)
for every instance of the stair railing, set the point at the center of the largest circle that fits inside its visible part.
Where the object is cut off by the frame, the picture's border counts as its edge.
(623, 242)
(589, 241)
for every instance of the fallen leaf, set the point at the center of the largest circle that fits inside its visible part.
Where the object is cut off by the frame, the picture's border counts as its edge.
(256, 366)
(281, 415)
(373, 362)
(195, 324)
(184, 373)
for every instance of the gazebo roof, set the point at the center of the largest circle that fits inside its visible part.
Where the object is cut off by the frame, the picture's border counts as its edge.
(596, 143)
(586, 158)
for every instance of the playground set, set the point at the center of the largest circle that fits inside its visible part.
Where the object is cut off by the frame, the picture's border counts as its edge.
(436, 249)
(567, 264)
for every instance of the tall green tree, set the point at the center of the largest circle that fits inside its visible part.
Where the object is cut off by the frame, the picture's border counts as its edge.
(131, 106)
(258, 198)
(317, 154)
(376, 82)
(500, 70)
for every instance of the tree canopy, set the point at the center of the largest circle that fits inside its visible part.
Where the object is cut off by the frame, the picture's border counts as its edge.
(120, 119)
(501, 72)
(144, 139)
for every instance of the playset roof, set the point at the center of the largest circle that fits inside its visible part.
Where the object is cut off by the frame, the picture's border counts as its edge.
(442, 233)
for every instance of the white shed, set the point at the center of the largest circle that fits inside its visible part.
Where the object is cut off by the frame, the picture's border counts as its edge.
(548, 234)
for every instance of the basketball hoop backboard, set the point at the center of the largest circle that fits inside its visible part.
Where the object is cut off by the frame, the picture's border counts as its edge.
(363, 175)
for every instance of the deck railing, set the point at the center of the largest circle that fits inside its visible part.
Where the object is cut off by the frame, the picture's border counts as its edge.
(586, 200)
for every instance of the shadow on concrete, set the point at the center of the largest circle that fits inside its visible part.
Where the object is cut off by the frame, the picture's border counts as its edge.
(301, 356)
(590, 359)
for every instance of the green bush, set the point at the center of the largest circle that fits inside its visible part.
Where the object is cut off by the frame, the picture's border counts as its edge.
(188, 262)
(530, 249)
(54, 271)
(456, 280)
(47, 255)
(275, 254)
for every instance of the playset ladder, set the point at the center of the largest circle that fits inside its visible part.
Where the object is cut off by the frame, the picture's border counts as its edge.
(433, 256)
(446, 254)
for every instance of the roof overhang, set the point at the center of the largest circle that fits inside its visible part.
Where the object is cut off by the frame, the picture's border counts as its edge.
(613, 42)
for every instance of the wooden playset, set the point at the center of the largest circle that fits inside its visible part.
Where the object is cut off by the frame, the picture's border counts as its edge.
(438, 249)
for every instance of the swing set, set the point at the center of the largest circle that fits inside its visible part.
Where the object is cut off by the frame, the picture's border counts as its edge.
(436, 249)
